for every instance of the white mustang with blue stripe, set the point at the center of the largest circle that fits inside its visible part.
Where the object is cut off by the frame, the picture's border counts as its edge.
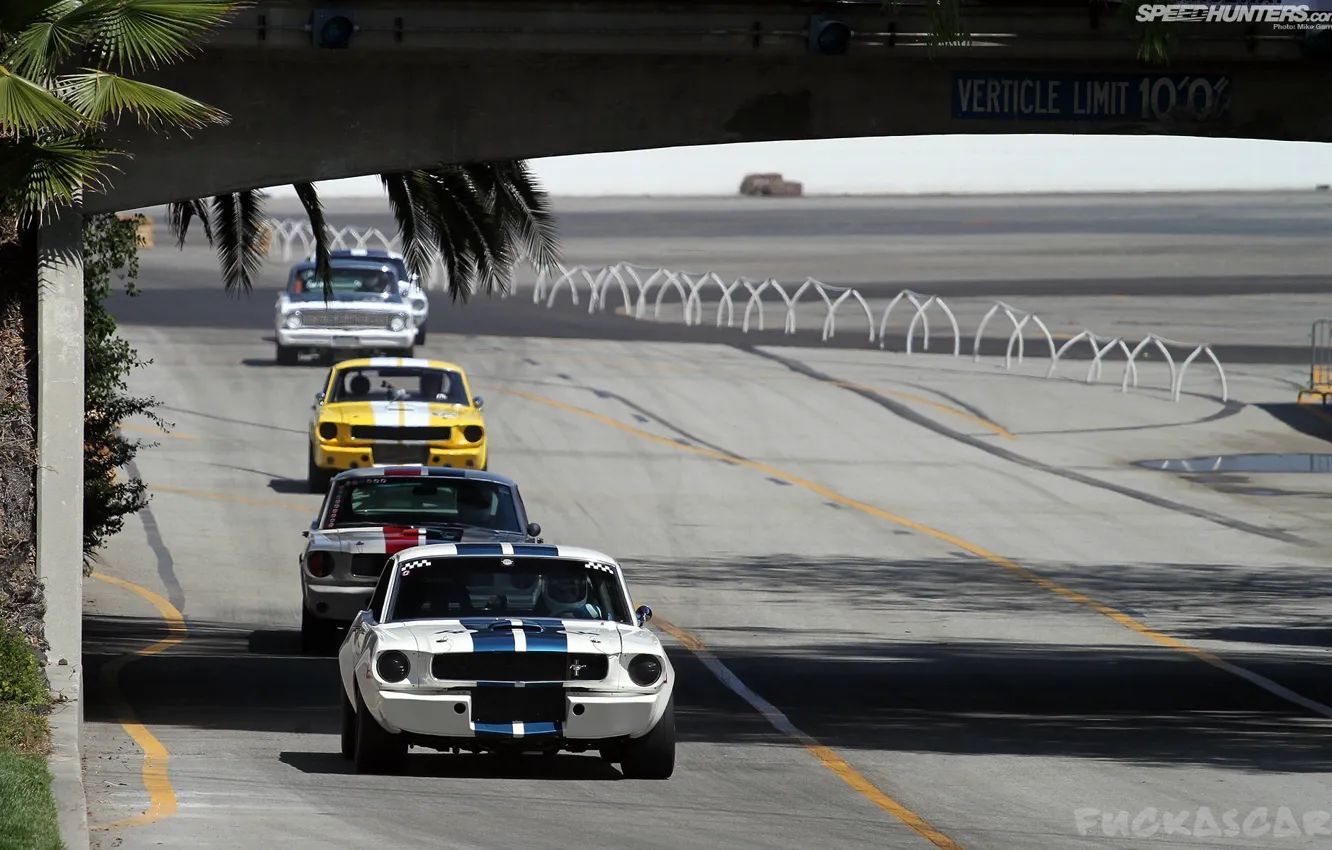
(506, 647)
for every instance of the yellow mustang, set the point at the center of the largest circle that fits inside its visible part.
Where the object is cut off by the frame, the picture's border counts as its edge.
(394, 410)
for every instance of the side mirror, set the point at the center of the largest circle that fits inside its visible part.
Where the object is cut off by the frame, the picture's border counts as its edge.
(533, 529)
(319, 397)
(479, 402)
(643, 614)
(305, 533)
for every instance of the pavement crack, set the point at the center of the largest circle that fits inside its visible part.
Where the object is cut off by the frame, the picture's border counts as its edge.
(904, 412)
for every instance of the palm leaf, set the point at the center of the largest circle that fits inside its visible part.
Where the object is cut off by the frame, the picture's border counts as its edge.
(28, 108)
(414, 228)
(42, 44)
(99, 96)
(136, 34)
(181, 213)
(238, 220)
(437, 207)
(39, 176)
(314, 210)
(522, 211)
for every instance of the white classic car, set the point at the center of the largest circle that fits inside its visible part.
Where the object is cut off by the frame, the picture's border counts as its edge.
(365, 311)
(371, 513)
(409, 284)
(506, 648)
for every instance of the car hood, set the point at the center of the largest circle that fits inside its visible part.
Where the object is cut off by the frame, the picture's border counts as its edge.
(522, 634)
(391, 539)
(401, 414)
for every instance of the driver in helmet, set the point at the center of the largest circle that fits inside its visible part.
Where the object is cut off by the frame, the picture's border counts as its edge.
(473, 505)
(567, 597)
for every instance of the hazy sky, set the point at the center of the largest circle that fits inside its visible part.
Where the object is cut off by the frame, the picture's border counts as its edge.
(922, 164)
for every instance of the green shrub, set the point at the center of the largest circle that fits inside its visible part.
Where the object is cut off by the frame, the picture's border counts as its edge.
(21, 679)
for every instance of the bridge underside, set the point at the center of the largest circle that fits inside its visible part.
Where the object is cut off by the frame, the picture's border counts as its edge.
(321, 115)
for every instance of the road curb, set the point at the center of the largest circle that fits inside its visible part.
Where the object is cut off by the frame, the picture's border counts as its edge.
(66, 759)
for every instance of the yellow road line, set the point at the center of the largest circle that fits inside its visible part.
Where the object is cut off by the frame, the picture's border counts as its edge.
(826, 755)
(143, 429)
(998, 560)
(940, 406)
(161, 796)
(204, 494)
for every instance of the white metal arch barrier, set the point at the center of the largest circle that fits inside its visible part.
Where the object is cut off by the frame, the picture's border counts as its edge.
(914, 299)
(1015, 336)
(1177, 371)
(286, 232)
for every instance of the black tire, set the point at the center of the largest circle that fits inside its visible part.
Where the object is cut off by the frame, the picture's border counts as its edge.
(653, 755)
(318, 636)
(286, 356)
(409, 351)
(348, 725)
(377, 750)
(420, 335)
(317, 480)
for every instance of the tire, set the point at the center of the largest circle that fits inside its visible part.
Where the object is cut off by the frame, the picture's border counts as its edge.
(348, 724)
(317, 634)
(317, 480)
(420, 335)
(286, 356)
(653, 755)
(376, 750)
(409, 351)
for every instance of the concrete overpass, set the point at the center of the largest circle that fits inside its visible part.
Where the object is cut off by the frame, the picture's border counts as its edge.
(427, 82)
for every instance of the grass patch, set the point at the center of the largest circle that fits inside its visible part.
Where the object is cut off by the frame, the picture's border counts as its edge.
(27, 808)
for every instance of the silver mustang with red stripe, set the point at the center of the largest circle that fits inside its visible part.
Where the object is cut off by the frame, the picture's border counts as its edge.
(370, 514)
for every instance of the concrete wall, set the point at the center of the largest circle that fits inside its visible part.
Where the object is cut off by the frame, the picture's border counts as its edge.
(320, 115)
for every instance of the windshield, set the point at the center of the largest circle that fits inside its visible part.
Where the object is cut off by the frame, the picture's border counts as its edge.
(360, 282)
(399, 383)
(412, 500)
(452, 587)
(398, 264)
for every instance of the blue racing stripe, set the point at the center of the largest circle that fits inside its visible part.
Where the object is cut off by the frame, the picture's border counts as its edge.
(505, 729)
(552, 637)
(480, 549)
(534, 549)
(485, 639)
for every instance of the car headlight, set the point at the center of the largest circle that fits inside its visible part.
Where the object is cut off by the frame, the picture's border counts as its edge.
(418, 304)
(645, 669)
(393, 666)
(328, 430)
(398, 322)
(292, 321)
(473, 433)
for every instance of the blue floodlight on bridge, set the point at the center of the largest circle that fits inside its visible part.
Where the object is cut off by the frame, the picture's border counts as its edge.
(331, 28)
(828, 35)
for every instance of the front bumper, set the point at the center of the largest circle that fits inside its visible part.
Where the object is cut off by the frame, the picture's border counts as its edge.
(341, 602)
(350, 338)
(340, 457)
(603, 716)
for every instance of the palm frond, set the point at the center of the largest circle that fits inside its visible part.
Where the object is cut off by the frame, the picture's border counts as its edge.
(27, 108)
(466, 226)
(238, 220)
(181, 213)
(522, 210)
(314, 210)
(131, 35)
(414, 229)
(41, 176)
(99, 96)
(438, 208)
(41, 44)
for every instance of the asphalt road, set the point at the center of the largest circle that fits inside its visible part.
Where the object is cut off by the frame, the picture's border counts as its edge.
(955, 579)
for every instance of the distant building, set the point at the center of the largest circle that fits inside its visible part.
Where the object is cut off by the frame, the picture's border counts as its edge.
(769, 184)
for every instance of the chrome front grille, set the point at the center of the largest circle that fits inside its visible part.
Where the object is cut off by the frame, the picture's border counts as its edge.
(320, 318)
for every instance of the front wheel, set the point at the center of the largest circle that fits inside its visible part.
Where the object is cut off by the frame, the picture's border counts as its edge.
(317, 634)
(348, 725)
(421, 334)
(377, 750)
(653, 755)
(285, 355)
(317, 480)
